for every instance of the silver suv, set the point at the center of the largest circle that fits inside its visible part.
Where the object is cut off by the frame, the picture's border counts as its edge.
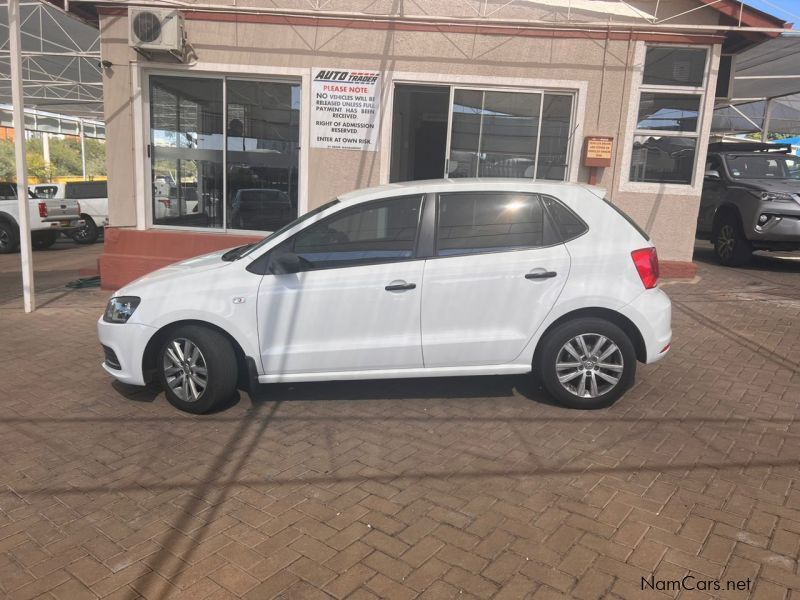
(751, 200)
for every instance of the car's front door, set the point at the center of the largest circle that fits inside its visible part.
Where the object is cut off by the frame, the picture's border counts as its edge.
(497, 270)
(354, 304)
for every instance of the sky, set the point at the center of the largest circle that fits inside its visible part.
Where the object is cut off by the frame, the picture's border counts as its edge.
(788, 10)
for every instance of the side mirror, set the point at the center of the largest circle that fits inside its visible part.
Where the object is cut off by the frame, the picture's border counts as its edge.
(286, 263)
(713, 175)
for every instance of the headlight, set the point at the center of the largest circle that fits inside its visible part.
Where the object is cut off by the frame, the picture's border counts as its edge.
(776, 196)
(120, 309)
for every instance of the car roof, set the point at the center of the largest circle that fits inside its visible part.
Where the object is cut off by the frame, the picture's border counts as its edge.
(469, 184)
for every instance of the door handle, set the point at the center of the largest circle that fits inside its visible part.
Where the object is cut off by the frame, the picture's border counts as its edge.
(541, 275)
(398, 287)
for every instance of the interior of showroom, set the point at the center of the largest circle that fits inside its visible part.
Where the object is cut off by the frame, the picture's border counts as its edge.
(257, 115)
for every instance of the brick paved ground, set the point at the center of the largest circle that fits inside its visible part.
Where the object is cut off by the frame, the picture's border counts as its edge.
(454, 488)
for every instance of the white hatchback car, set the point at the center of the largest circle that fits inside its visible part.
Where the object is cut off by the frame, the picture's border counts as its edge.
(424, 279)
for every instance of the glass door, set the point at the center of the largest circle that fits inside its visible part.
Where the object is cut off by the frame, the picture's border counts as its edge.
(509, 134)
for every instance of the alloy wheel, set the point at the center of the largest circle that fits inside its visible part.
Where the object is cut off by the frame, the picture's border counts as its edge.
(725, 241)
(589, 365)
(185, 369)
(5, 239)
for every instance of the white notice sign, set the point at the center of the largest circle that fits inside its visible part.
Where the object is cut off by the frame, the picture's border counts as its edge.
(345, 109)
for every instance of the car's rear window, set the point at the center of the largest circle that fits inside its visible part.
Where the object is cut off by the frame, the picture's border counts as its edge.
(625, 216)
(569, 224)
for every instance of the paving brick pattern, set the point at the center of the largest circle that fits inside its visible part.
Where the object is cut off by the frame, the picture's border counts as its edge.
(453, 488)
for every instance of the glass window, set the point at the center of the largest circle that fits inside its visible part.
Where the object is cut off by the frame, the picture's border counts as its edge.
(493, 134)
(485, 222)
(670, 156)
(81, 190)
(262, 154)
(663, 159)
(669, 112)
(569, 224)
(8, 191)
(46, 191)
(376, 232)
(186, 150)
(683, 67)
(555, 137)
(760, 166)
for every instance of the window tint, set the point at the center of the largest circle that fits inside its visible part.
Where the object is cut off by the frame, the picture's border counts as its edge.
(83, 190)
(46, 191)
(375, 232)
(8, 191)
(489, 222)
(569, 224)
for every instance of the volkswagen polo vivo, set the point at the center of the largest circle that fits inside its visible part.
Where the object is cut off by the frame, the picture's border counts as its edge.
(424, 279)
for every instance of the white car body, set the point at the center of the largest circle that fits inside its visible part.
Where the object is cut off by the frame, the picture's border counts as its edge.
(473, 314)
(96, 208)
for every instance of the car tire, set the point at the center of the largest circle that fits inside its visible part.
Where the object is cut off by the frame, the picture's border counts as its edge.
(9, 238)
(87, 234)
(42, 240)
(562, 372)
(212, 369)
(731, 247)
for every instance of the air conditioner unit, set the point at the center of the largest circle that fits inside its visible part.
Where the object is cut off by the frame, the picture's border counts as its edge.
(156, 31)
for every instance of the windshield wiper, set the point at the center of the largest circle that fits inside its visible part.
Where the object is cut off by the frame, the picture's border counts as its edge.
(236, 253)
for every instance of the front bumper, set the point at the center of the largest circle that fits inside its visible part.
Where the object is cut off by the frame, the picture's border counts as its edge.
(781, 227)
(127, 342)
(651, 312)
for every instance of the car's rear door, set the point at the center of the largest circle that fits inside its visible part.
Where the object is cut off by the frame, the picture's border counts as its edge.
(355, 306)
(497, 269)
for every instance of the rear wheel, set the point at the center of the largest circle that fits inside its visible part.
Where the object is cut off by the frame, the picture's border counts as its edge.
(9, 238)
(88, 233)
(197, 368)
(731, 247)
(42, 240)
(587, 363)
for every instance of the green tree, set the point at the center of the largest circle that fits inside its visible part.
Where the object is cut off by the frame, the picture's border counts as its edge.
(7, 161)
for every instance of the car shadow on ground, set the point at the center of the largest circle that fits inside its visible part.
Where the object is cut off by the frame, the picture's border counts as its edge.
(476, 388)
(787, 262)
(463, 388)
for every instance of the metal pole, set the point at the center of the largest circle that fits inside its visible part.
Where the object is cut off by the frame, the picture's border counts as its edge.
(18, 108)
(767, 119)
(46, 150)
(83, 151)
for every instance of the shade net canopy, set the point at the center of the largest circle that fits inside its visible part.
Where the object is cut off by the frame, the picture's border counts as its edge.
(769, 71)
(60, 61)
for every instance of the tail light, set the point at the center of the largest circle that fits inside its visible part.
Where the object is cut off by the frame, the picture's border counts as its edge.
(646, 262)
(43, 209)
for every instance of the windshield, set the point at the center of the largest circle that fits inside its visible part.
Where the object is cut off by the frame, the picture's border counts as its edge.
(764, 166)
(288, 226)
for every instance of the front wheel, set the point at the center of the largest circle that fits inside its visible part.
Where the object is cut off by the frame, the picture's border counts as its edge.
(197, 368)
(731, 247)
(88, 232)
(587, 363)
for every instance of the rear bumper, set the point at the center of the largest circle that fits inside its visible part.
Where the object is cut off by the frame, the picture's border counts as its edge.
(63, 225)
(651, 312)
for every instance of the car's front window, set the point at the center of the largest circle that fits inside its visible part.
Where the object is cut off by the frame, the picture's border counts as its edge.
(288, 226)
(763, 167)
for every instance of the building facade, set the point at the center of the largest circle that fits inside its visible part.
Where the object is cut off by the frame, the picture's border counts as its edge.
(276, 111)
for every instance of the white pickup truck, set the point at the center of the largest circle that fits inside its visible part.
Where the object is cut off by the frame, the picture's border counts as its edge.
(47, 219)
(93, 198)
